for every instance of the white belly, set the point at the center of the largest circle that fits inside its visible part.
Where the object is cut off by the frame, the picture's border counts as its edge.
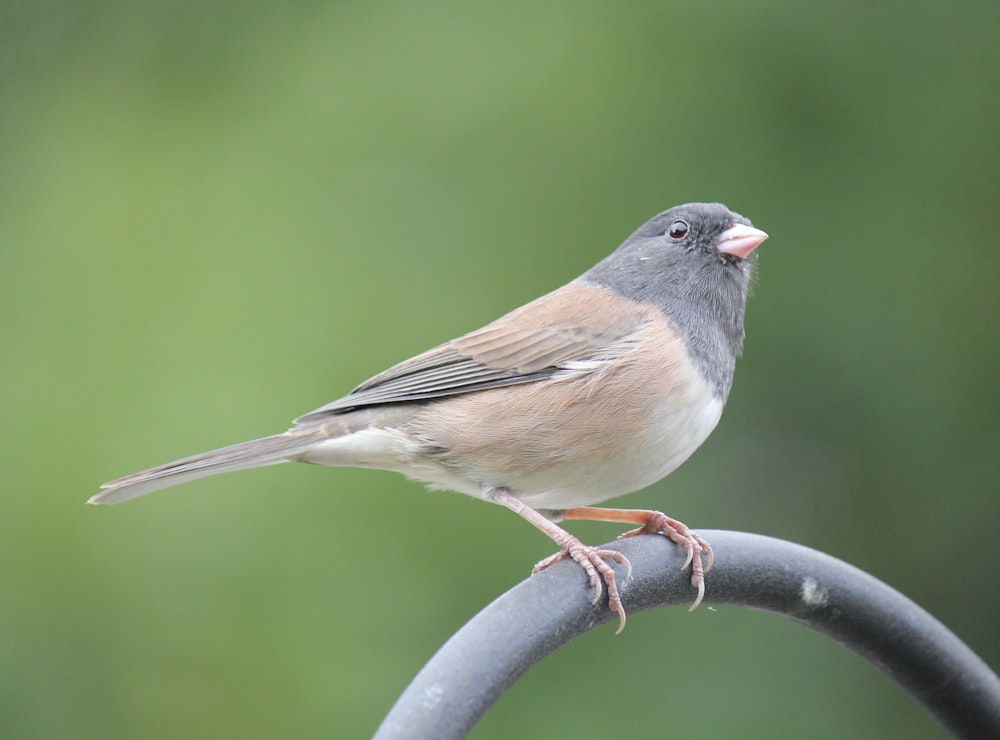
(573, 476)
(673, 434)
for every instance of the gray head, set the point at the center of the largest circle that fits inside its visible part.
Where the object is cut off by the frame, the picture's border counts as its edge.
(694, 262)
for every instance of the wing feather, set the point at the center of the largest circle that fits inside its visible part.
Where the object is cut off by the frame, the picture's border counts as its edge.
(529, 344)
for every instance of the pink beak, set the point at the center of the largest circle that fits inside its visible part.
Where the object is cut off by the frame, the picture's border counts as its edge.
(740, 240)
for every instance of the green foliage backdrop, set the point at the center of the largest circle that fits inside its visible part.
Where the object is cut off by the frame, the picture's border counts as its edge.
(216, 216)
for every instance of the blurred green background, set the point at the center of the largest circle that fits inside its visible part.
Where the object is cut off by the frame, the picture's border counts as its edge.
(217, 216)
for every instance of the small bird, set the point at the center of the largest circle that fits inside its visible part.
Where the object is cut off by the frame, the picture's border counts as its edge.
(597, 389)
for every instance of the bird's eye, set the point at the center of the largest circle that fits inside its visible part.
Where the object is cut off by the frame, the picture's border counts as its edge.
(678, 229)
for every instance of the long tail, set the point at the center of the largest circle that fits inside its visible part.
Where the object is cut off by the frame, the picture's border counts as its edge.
(254, 454)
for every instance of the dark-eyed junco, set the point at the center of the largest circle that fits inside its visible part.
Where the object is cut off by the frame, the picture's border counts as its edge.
(597, 389)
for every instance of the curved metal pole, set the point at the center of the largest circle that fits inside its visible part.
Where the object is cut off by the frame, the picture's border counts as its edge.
(522, 626)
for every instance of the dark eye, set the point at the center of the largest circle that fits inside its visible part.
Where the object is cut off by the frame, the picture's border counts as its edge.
(678, 229)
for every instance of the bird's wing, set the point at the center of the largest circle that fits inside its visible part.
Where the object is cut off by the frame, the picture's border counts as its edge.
(577, 323)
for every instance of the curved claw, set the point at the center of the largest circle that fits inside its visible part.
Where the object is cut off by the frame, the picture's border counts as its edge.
(594, 562)
(699, 553)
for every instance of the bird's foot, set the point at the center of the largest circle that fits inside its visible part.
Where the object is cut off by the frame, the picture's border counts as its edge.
(594, 562)
(699, 552)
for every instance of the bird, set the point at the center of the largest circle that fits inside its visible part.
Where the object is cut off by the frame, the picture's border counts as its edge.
(597, 389)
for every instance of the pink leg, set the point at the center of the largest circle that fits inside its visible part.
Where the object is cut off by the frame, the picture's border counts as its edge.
(591, 559)
(655, 522)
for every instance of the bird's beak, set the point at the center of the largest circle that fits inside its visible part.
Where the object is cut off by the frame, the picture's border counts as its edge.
(740, 241)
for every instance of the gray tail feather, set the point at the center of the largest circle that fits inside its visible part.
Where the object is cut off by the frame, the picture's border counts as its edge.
(256, 453)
